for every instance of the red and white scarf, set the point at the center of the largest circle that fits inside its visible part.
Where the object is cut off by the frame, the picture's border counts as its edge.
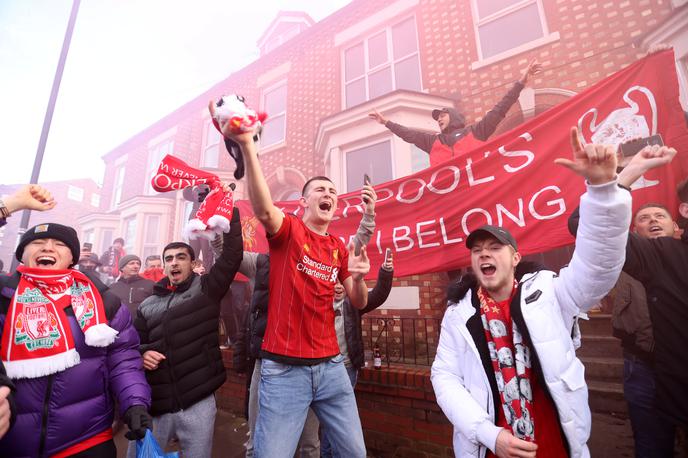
(215, 212)
(36, 338)
(511, 363)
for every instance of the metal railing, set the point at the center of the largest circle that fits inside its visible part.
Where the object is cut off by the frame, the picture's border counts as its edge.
(402, 340)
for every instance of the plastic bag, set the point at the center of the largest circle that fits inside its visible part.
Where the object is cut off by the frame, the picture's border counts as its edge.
(148, 448)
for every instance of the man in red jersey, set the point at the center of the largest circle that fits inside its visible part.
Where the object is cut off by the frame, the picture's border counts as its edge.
(302, 366)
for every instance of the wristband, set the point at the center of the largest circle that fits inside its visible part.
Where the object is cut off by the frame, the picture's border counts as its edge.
(4, 212)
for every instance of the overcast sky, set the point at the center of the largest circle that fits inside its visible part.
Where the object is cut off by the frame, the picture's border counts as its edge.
(130, 63)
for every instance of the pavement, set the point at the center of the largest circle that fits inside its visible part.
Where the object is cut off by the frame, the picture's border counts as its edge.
(231, 433)
(611, 437)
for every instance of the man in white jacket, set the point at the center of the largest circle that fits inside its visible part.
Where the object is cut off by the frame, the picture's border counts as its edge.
(506, 373)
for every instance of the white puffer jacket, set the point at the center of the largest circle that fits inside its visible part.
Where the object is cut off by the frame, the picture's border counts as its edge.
(458, 378)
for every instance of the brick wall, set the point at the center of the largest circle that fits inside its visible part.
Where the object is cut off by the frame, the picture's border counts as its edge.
(66, 212)
(596, 38)
(398, 410)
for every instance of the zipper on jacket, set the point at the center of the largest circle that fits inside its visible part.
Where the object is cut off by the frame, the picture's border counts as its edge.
(175, 395)
(44, 418)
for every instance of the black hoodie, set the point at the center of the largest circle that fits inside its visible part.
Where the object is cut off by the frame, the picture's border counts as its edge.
(457, 129)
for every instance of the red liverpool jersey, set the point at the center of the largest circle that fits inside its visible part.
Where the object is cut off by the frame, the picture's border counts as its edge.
(304, 267)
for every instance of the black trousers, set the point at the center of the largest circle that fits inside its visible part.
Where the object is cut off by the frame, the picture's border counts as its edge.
(106, 449)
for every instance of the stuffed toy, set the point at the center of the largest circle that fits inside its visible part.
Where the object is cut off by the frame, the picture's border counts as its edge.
(232, 109)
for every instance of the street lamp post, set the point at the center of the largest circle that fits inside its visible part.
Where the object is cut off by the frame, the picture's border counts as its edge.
(26, 214)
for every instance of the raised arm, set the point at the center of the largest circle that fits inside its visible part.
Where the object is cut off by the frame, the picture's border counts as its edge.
(486, 126)
(217, 281)
(648, 158)
(422, 140)
(379, 294)
(258, 192)
(28, 197)
(355, 286)
(366, 227)
(605, 214)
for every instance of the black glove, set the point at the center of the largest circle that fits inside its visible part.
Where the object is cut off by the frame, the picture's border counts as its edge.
(138, 421)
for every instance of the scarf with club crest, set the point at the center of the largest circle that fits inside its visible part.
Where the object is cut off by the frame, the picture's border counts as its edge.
(36, 337)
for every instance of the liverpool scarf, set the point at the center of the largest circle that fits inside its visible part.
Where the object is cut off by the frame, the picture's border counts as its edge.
(214, 214)
(36, 337)
(511, 363)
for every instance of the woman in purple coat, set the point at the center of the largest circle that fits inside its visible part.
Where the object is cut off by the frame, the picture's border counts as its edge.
(70, 349)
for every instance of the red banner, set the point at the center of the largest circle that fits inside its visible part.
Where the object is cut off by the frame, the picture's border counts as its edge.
(511, 180)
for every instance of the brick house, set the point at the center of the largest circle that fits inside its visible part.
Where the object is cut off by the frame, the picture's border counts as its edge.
(319, 80)
(76, 199)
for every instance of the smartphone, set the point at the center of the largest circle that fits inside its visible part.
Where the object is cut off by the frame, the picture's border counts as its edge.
(88, 246)
(388, 254)
(366, 181)
(633, 147)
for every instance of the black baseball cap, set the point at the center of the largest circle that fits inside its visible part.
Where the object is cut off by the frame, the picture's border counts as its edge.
(497, 232)
(437, 111)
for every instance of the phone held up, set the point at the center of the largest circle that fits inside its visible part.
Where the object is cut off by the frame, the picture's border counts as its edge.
(634, 146)
(366, 181)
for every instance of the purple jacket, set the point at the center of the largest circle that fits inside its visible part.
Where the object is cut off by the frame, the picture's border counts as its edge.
(63, 409)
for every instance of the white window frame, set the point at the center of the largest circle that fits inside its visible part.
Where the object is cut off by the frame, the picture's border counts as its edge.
(207, 145)
(120, 172)
(271, 116)
(356, 146)
(546, 38)
(130, 242)
(391, 61)
(89, 236)
(153, 160)
(155, 244)
(95, 200)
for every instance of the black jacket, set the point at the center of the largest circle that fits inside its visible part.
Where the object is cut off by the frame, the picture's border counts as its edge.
(132, 291)
(248, 346)
(183, 325)
(661, 265)
(352, 316)
(456, 130)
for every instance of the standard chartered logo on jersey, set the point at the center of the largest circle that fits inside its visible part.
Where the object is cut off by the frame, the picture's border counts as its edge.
(317, 269)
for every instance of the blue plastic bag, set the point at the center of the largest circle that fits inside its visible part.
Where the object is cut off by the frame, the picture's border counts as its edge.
(148, 448)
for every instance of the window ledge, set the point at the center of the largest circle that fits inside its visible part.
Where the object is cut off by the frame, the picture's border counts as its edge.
(552, 37)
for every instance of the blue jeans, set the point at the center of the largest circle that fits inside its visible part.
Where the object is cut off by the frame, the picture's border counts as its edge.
(287, 391)
(326, 449)
(652, 433)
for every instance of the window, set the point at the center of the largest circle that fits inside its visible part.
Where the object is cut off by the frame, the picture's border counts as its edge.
(95, 200)
(75, 193)
(130, 234)
(211, 148)
(119, 183)
(275, 105)
(151, 236)
(375, 160)
(107, 240)
(420, 160)
(502, 25)
(383, 62)
(89, 235)
(155, 155)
